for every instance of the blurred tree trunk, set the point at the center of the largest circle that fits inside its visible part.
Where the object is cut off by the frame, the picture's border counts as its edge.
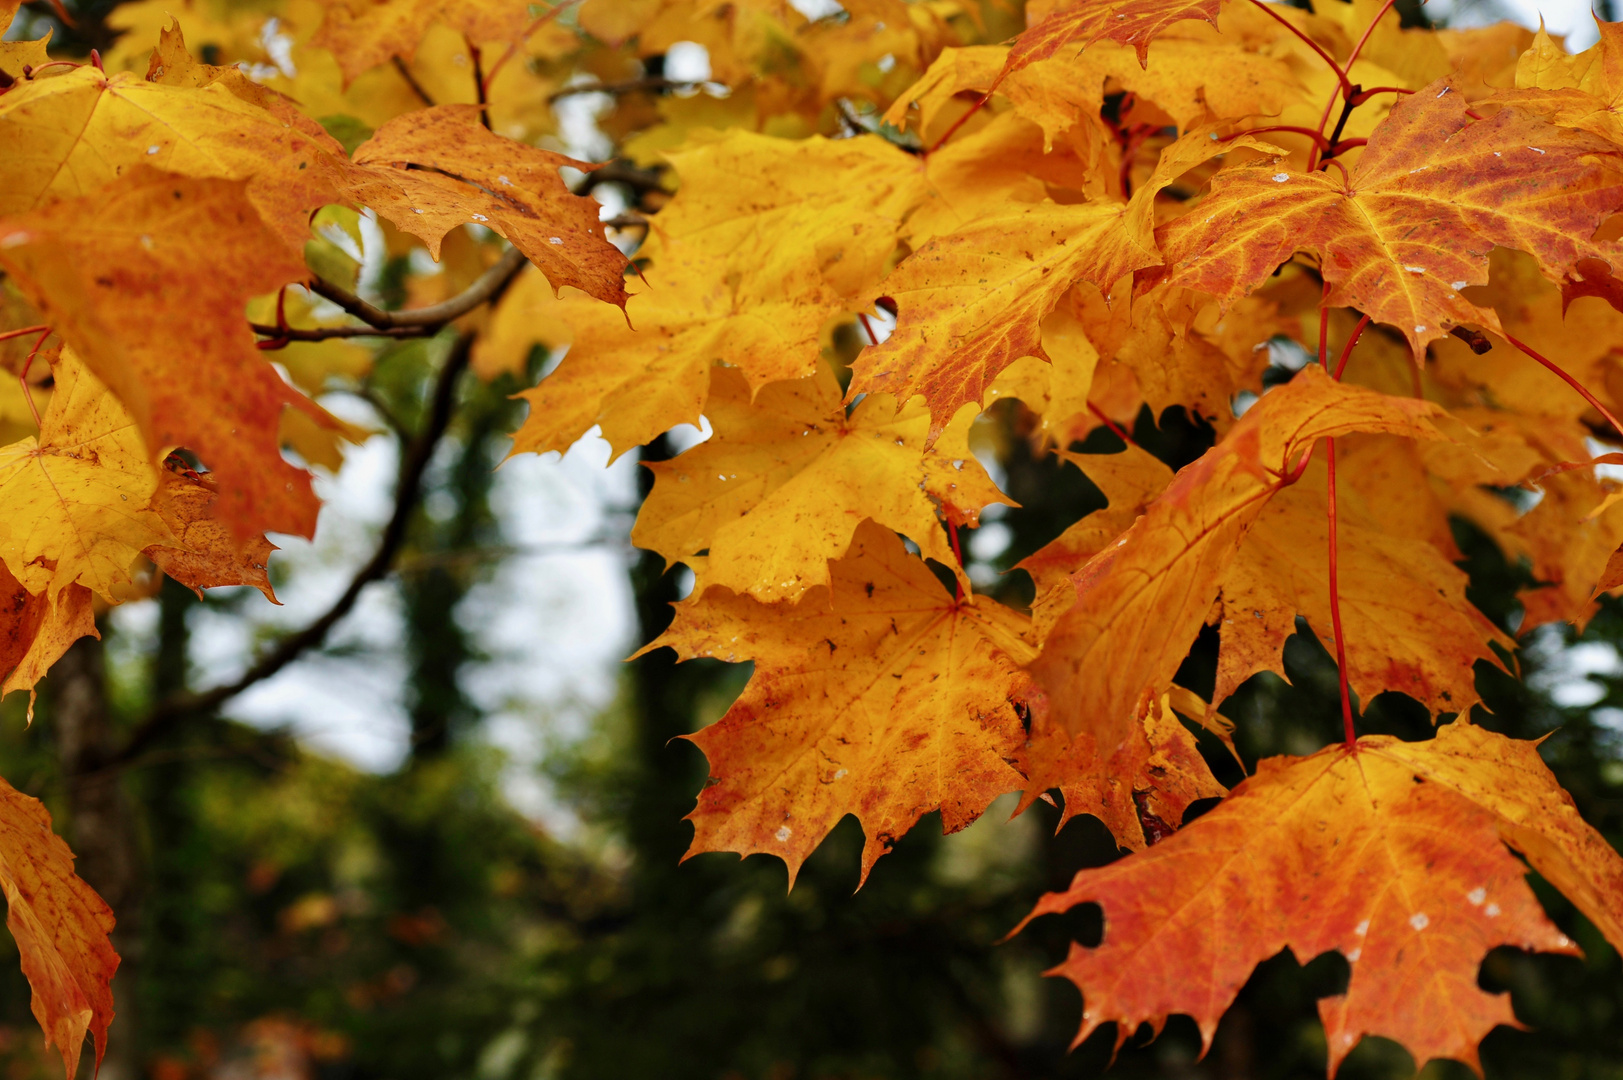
(100, 829)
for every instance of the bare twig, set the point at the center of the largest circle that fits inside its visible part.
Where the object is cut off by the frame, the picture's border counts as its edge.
(418, 322)
(620, 172)
(167, 714)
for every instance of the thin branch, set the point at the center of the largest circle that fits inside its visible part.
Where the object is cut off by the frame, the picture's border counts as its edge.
(280, 336)
(629, 86)
(478, 82)
(411, 81)
(619, 172)
(435, 316)
(167, 714)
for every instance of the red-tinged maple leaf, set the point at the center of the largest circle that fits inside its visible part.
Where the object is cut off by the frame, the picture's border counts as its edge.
(1407, 624)
(1414, 223)
(1394, 854)
(1139, 787)
(60, 926)
(1130, 22)
(1141, 601)
(878, 695)
(131, 277)
(37, 628)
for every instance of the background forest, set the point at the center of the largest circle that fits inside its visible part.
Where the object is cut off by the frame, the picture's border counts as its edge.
(447, 843)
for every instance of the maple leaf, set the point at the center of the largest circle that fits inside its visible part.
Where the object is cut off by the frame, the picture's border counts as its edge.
(1139, 787)
(37, 628)
(204, 553)
(75, 502)
(1130, 481)
(1140, 602)
(1392, 853)
(1584, 91)
(971, 303)
(365, 33)
(128, 278)
(75, 133)
(1415, 222)
(752, 280)
(782, 485)
(60, 926)
(450, 171)
(1130, 22)
(1406, 622)
(878, 695)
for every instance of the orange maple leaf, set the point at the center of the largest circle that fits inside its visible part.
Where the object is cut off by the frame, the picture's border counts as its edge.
(878, 695)
(1392, 853)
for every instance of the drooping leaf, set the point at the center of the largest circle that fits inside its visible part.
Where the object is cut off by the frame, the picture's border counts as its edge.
(37, 628)
(877, 695)
(204, 554)
(1407, 625)
(60, 926)
(1414, 224)
(75, 503)
(1392, 853)
(1141, 601)
(451, 172)
(130, 279)
(782, 485)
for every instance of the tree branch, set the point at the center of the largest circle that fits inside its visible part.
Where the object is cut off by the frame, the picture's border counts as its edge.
(429, 319)
(167, 714)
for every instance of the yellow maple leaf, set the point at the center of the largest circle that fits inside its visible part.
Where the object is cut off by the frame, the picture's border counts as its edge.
(75, 503)
(782, 485)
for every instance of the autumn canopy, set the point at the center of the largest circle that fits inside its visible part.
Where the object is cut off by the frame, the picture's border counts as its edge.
(843, 253)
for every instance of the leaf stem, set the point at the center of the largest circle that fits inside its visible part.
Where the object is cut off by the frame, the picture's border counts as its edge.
(478, 82)
(540, 21)
(1115, 428)
(1570, 381)
(958, 123)
(1346, 352)
(1348, 732)
(22, 377)
(1352, 57)
(1341, 73)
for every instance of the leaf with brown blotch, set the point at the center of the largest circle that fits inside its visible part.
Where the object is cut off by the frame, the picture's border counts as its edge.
(1394, 854)
(36, 629)
(1406, 622)
(780, 487)
(75, 503)
(971, 303)
(1130, 22)
(132, 278)
(60, 926)
(1140, 602)
(204, 553)
(1139, 788)
(451, 172)
(362, 34)
(878, 695)
(1130, 481)
(1427, 202)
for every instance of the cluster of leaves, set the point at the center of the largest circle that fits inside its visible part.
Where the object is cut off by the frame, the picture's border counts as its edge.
(1138, 203)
